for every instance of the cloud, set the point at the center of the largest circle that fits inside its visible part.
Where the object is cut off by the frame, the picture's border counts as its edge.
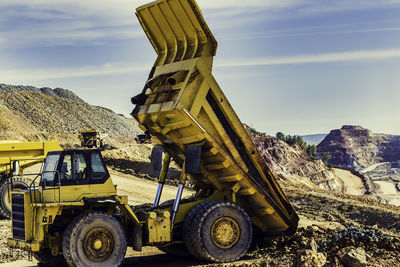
(70, 34)
(52, 23)
(71, 22)
(115, 68)
(36, 74)
(124, 5)
(299, 32)
(240, 4)
(315, 7)
(314, 58)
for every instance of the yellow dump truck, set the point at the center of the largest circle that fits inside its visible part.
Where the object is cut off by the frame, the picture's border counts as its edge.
(14, 158)
(91, 139)
(75, 214)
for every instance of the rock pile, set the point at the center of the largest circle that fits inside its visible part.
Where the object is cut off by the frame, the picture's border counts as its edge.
(328, 248)
(30, 113)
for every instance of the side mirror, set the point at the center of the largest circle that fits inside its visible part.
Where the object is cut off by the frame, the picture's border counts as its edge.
(15, 166)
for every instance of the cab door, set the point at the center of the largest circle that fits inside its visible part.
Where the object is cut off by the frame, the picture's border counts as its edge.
(73, 174)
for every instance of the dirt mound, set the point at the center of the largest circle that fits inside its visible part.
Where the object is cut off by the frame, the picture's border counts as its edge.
(29, 113)
(333, 224)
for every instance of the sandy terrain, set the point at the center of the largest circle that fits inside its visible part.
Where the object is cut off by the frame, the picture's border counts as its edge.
(386, 187)
(372, 167)
(351, 184)
(140, 191)
(324, 218)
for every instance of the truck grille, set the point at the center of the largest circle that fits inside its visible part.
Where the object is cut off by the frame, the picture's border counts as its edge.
(18, 217)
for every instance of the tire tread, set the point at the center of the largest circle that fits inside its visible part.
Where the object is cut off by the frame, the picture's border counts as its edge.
(192, 226)
(71, 232)
(3, 188)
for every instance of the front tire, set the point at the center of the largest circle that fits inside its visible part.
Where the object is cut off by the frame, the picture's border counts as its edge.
(18, 183)
(94, 239)
(217, 231)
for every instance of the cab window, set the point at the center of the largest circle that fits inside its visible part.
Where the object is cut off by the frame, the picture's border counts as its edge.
(81, 166)
(66, 167)
(98, 169)
(50, 167)
(73, 167)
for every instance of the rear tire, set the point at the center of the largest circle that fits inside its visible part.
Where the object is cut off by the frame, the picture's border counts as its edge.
(45, 257)
(217, 231)
(18, 183)
(94, 239)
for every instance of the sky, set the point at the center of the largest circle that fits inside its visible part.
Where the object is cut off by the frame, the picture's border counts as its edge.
(295, 66)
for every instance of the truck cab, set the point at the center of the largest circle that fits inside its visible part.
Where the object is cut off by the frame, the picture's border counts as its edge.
(74, 167)
(77, 172)
(69, 179)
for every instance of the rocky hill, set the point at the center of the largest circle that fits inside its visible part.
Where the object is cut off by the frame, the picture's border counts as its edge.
(291, 162)
(375, 155)
(29, 113)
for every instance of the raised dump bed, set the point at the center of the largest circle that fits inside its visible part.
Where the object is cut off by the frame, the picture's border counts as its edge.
(184, 107)
(27, 154)
(15, 156)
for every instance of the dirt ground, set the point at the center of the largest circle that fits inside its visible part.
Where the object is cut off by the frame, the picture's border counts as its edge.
(333, 222)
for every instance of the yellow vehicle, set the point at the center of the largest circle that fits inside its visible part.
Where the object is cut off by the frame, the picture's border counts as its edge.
(91, 139)
(76, 214)
(14, 158)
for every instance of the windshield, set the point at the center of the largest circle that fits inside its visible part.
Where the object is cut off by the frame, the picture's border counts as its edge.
(50, 167)
(90, 134)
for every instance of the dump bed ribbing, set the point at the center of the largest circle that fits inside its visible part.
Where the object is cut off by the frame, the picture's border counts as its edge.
(183, 106)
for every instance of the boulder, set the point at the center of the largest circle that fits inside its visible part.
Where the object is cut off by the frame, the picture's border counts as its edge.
(310, 258)
(355, 257)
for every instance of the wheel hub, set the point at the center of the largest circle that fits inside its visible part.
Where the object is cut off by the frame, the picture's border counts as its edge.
(98, 244)
(225, 232)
